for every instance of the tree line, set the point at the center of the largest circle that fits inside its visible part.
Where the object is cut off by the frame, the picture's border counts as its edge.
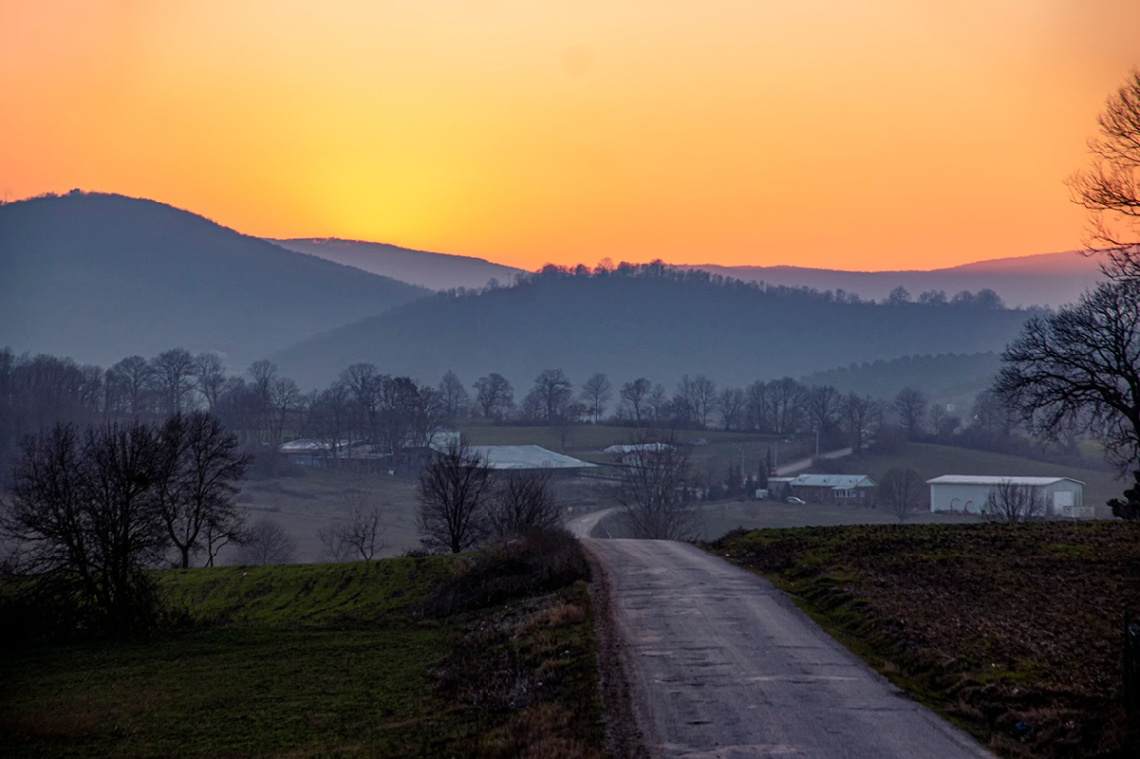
(985, 298)
(387, 415)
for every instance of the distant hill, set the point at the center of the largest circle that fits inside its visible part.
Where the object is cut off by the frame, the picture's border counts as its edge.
(99, 277)
(650, 321)
(1050, 279)
(950, 378)
(436, 271)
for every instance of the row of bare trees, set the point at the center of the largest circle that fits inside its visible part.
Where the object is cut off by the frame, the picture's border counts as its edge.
(463, 502)
(92, 509)
(390, 413)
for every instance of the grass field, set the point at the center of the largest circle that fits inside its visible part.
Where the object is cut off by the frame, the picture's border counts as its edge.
(313, 499)
(1013, 631)
(402, 657)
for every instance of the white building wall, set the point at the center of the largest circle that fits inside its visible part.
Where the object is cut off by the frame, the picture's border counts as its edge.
(1064, 498)
(959, 498)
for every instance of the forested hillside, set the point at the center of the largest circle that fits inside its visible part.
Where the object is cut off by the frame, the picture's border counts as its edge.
(98, 277)
(1048, 279)
(650, 321)
(947, 378)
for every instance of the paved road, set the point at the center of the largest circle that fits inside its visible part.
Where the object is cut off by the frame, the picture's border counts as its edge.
(721, 664)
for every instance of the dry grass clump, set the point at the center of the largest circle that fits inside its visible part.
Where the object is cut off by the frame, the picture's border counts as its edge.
(533, 563)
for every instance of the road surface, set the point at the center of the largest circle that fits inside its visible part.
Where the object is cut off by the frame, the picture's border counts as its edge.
(719, 663)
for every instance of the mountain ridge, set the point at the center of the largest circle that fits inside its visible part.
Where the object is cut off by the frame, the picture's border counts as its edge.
(100, 276)
(651, 321)
(435, 271)
(1044, 279)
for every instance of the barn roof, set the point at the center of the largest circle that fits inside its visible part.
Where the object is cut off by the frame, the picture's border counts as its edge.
(836, 481)
(526, 457)
(637, 447)
(985, 479)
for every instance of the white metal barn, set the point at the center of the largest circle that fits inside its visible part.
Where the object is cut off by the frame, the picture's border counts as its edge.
(964, 493)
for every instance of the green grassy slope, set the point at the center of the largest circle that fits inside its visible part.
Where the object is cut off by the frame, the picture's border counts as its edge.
(326, 660)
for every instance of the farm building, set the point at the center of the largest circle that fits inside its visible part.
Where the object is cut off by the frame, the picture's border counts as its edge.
(836, 489)
(1062, 496)
(523, 458)
(321, 453)
(779, 488)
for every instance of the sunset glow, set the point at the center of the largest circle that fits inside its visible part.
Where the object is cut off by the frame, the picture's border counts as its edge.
(882, 134)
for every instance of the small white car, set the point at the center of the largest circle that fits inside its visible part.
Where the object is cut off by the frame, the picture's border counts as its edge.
(795, 501)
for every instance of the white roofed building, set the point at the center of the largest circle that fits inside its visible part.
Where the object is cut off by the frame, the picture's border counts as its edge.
(967, 494)
(839, 489)
(527, 458)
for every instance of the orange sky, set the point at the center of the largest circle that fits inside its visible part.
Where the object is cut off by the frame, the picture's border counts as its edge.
(869, 134)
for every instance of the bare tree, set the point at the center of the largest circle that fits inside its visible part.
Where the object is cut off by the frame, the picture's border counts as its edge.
(564, 425)
(910, 406)
(399, 402)
(993, 417)
(260, 398)
(933, 298)
(86, 516)
(453, 492)
(201, 466)
(1011, 502)
(756, 406)
(898, 296)
(785, 405)
(634, 395)
(731, 404)
(694, 400)
(1081, 366)
(362, 536)
(859, 414)
(704, 399)
(655, 490)
(658, 404)
(942, 421)
(284, 397)
(174, 372)
(554, 392)
(131, 383)
(822, 404)
(453, 397)
(331, 417)
(494, 396)
(596, 393)
(363, 382)
(1110, 188)
(209, 377)
(521, 502)
(902, 489)
(267, 543)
